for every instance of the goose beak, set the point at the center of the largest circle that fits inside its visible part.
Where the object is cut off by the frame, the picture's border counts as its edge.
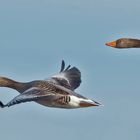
(111, 44)
(89, 103)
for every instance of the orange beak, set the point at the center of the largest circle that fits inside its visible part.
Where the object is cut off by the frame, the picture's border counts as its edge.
(111, 44)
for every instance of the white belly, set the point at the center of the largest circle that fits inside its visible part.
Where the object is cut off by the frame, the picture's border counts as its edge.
(73, 103)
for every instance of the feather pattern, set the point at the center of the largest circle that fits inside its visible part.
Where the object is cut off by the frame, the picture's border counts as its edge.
(67, 77)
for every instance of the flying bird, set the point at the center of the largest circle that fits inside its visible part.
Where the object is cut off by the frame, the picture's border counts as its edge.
(124, 43)
(56, 91)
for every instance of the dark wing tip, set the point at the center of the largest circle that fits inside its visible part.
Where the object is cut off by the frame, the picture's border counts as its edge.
(67, 67)
(74, 76)
(2, 105)
(62, 66)
(71, 79)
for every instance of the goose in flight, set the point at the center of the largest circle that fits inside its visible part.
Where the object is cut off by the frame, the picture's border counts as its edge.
(123, 43)
(57, 91)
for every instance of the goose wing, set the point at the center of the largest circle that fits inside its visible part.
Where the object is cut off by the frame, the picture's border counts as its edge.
(68, 77)
(35, 94)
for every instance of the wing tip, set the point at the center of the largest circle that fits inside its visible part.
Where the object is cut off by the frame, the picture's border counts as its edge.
(74, 76)
(1, 105)
(69, 75)
(62, 65)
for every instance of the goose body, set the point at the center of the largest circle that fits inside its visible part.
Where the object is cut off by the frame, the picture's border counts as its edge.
(124, 43)
(56, 91)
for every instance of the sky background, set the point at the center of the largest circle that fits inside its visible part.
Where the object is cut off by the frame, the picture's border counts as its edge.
(35, 35)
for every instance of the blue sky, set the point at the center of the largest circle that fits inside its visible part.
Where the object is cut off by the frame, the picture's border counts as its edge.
(36, 35)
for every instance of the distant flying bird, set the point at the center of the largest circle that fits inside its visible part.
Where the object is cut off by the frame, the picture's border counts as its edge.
(57, 91)
(124, 43)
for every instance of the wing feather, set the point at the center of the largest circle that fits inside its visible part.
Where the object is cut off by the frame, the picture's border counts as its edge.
(32, 94)
(69, 78)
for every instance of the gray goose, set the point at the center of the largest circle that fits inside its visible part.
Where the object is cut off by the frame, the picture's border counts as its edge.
(57, 91)
(123, 43)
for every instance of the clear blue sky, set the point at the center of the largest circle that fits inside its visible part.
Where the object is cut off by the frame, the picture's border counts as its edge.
(35, 35)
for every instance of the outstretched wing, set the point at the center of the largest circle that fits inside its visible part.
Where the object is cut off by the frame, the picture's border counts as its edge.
(68, 77)
(32, 94)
